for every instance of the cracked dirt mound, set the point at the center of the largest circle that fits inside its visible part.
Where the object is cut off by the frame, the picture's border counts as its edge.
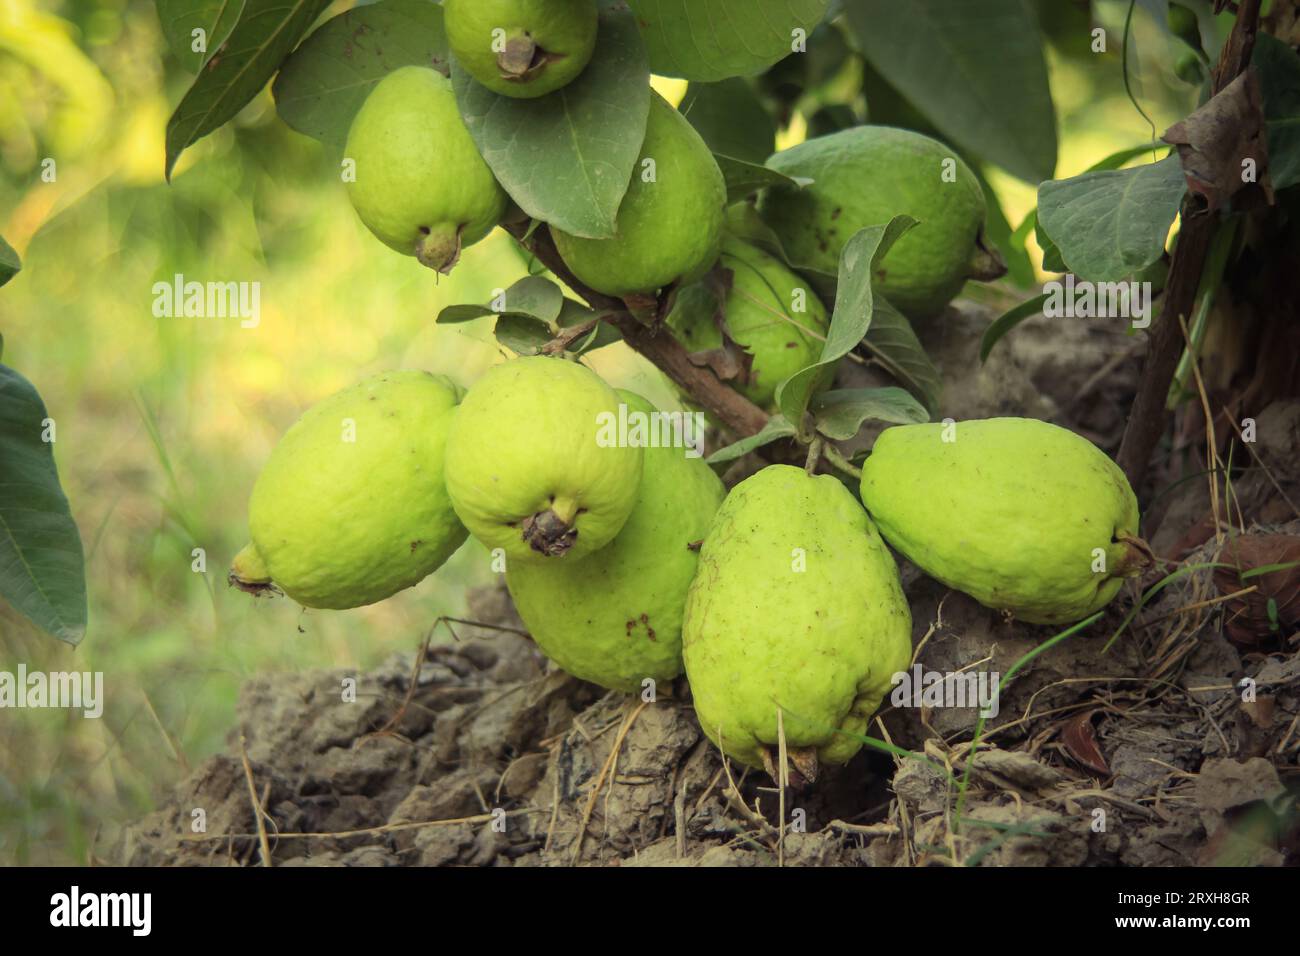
(494, 759)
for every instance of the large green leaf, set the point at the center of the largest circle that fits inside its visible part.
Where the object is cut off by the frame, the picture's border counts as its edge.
(181, 18)
(893, 343)
(745, 178)
(730, 118)
(9, 262)
(1279, 78)
(840, 413)
(851, 318)
(42, 571)
(1111, 223)
(567, 158)
(711, 40)
(976, 70)
(265, 33)
(323, 83)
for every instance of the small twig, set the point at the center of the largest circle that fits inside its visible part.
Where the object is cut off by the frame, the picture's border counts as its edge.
(839, 462)
(600, 780)
(257, 805)
(653, 341)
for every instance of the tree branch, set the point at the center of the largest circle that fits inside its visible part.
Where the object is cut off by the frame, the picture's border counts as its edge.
(1147, 417)
(653, 341)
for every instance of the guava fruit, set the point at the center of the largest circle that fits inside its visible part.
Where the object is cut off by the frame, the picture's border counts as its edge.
(351, 507)
(866, 175)
(796, 605)
(521, 48)
(615, 617)
(1022, 515)
(529, 468)
(668, 229)
(761, 317)
(421, 186)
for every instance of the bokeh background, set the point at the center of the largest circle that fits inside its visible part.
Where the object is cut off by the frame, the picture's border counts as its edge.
(163, 424)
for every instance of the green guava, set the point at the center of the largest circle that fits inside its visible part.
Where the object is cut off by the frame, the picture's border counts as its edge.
(770, 312)
(796, 605)
(615, 617)
(1023, 516)
(421, 185)
(866, 175)
(668, 228)
(530, 468)
(522, 48)
(351, 507)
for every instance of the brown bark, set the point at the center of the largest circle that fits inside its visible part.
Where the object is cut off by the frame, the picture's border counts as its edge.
(1148, 418)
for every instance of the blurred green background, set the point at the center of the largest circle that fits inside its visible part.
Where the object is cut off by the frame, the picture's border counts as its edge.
(164, 423)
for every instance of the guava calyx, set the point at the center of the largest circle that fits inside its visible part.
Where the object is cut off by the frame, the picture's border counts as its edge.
(439, 247)
(523, 58)
(549, 534)
(804, 766)
(249, 573)
(986, 263)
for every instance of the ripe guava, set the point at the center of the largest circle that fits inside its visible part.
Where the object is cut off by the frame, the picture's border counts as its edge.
(866, 175)
(1022, 515)
(770, 312)
(668, 228)
(351, 507)
(527, 467)
(615, 617)
(796, 605)
(522, 48)
(421, 185)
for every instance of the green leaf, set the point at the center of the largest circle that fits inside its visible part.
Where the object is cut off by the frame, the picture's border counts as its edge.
(1008, 321)
(1112, 223)
(522, 334)
(731, 120)
(42, 570)
(180, 18)
(744, 179)
(265, 33)
(839, 414)
(1052, 261)
(976, 70)
(533, 297)
(775, 429)
(323, 83)
(708, 40)
(9, 262)
(893, 343)
(567, 158)
(1279, 78)
(852, 314)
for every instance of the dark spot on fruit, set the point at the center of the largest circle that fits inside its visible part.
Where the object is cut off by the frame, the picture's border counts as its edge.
(414, 545)
(792, 345)
(694, 545)
(835, 213)
(424, 230)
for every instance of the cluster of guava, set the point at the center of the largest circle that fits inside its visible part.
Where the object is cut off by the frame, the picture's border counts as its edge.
(630, 563)
(422, 187)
